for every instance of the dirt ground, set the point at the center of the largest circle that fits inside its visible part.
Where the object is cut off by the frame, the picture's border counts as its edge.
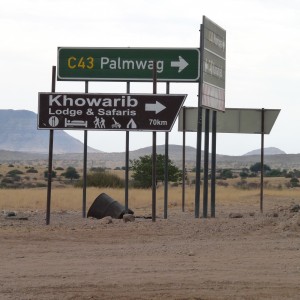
(256, 256)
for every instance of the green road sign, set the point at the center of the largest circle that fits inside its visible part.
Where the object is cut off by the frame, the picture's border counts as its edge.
(128, 64)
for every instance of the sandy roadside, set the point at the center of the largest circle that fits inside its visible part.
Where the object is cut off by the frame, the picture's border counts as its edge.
(253, 257)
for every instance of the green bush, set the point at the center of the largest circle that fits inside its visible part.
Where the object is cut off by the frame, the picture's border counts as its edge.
(102, 179)
(294, 182)
(14, 172)
(7, 180)
(32, 170)
(71, 173)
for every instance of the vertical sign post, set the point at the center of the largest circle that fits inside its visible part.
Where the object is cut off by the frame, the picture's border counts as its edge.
(213, 61)
(205, 173)
(50, 156)
(199, 130)
(154, 154)
(166, 164)
(183, 160)
(84, 164)
(213, 165)
(127, 159)
(262, 159)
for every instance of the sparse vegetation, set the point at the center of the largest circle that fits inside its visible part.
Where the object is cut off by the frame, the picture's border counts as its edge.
(102, 179)
(32, 170)
(59, 169)
(14, 172)
(71, 173)
(24, 176)
(142, 170)
(294, 182)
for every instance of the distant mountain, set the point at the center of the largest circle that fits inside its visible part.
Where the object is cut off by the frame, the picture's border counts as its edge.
(19, 133)
(267, 151)
(117, 159)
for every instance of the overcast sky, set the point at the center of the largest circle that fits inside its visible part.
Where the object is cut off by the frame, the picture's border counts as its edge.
(262, 58)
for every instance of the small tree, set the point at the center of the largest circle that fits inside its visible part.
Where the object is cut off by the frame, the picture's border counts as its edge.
(274, 173)
(71, 173)
(294, 182)
(142, 170)
(257, 167)
(244, 174)
(226, 173)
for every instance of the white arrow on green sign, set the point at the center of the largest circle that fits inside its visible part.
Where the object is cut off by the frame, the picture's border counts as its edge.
(128, 64)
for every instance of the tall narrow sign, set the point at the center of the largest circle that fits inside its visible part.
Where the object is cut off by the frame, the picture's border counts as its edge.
(214, 61)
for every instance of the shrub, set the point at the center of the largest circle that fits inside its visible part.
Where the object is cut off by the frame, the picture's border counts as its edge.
(59, 169)
(7, 180)
(244, 185)
(244, 174)
(71, 173)
(226, 173)
(32, 170)
(102, 179)
(39, 184)
(294, 182)
(222, 183)
(97, 169)
(14, 172)
(274, 173)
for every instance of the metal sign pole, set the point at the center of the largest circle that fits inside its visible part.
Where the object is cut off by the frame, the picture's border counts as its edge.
(166, 164)
(262, 159)
(127, 159)
(206, 148)
(50, 156)
(154, 152)
(84, 164)
(213, 165)
(199, 128)
(183, 160)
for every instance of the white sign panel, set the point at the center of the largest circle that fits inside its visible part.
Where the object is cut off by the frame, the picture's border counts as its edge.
(233, 120)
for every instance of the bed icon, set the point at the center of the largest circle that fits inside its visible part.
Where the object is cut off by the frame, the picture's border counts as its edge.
(75, 123)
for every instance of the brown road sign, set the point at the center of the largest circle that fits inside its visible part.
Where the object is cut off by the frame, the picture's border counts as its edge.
(146, 112)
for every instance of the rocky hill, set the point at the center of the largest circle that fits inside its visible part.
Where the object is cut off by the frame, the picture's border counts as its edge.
(21, 142)
(117, 159)
(267, 151)
(19, 133)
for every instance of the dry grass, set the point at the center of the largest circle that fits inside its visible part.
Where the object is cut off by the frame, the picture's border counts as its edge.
(70, 198)
(65, 197)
